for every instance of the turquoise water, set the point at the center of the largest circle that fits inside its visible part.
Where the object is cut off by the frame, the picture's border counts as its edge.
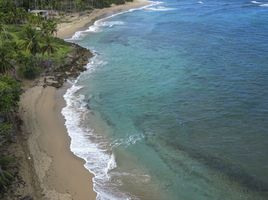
(175, 102)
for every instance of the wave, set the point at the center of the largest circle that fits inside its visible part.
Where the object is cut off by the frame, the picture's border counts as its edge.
(96, 149)
(264, 5)
(255, 2)
(261, 4)
(86, 144)
(129, 140)
(160, 8)
(96, 27)
(200, 2)
(111, 23)
(111, 165)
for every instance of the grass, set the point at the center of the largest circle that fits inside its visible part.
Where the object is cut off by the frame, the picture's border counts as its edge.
(62, 48)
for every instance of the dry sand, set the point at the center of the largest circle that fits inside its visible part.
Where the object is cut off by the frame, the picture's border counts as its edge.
(75, 22)
(60, 174)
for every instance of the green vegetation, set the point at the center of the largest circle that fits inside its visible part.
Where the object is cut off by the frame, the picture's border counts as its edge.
(26, 43)
(6, 176)
(9, 97)
(27, 48)
(67, 5)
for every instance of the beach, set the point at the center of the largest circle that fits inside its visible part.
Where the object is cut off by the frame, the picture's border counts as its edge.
(61, 174)
(74, 22)
(56, 171)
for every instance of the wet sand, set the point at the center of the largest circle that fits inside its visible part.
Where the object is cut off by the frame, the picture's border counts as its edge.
(75, 22)
(60, 174)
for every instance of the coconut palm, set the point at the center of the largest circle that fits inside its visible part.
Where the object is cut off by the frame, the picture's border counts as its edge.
(5, 59)
(52, 27)
(4, 34)
(48, 27)
(5, 178)
(20, 15)
(2, 28)
(30, 40)
(34, 20)
(48, 46)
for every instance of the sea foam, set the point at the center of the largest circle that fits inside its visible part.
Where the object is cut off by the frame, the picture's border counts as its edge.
(255, 2)
(264, 5)
(96, 27)
(93, 148)
(85, 143)
(127, 141)
(160, 8)
(261, 4)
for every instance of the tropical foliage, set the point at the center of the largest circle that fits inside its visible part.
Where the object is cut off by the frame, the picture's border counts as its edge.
(9, 97)
(27, 41)
(67, 4)
(9, 94)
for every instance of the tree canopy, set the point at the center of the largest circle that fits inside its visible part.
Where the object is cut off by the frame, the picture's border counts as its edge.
(9, 94)
(58, 4)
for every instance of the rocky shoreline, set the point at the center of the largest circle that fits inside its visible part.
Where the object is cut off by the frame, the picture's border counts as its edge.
(73, 65)
(26, 185)
(49, 87)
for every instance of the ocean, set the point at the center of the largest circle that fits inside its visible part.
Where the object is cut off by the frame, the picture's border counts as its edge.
(174, 104)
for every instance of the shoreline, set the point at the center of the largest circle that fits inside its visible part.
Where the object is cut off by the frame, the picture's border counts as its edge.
(49, 147)
(75, 22)
(53, 168)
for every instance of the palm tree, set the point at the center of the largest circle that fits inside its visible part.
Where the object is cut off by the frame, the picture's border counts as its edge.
(2, 28)
(48, 27)
(20, 15)
(34, 20)
(5, 59)
(52, 28)
(48, 47)
(4, 34)
(10, 16)
(5, 178)
(31, 40)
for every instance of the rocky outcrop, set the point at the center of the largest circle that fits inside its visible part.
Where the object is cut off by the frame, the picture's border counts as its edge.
(72, 66)
(26, 185)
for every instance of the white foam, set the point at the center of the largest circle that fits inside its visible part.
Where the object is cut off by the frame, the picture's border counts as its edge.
(264, 5)
(96, 27)
(129, 140)
(255, 2)
(261, 4)
(111, 23)
(111, 165)
(86, 144)
(96, 155)
(160, 8)
(200, 2)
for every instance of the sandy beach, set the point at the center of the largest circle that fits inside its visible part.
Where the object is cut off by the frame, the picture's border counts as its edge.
(61, 174)
(75, 21)
(57, 172)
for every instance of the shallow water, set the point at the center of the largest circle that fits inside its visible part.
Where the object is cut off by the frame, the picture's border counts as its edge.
(175, 102)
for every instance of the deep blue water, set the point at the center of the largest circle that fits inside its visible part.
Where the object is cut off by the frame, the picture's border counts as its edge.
(176, 102)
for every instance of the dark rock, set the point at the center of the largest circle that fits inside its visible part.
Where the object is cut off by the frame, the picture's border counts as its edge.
(72, 66)
(26, 198)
